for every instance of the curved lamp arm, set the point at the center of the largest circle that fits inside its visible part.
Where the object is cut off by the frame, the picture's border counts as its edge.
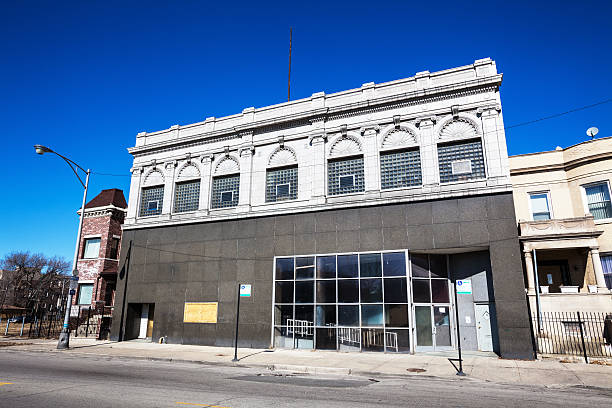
(40, 149)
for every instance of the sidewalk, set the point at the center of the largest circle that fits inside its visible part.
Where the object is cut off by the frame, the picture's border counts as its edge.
(477, 366)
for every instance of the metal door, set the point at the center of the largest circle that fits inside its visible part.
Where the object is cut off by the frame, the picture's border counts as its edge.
(483, 327)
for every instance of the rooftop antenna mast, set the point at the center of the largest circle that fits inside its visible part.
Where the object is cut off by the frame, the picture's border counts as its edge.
(289, 80)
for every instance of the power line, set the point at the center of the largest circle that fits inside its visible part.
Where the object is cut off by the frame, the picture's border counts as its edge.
(505, 128)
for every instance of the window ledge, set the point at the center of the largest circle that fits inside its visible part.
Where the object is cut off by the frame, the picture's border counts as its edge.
(603, 221)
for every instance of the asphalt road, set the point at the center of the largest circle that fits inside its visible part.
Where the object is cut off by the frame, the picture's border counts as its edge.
(64, 380)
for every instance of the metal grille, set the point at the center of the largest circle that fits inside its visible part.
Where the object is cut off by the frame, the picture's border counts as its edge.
(151, 201)
(278, 180)
(573, 333)
(345, 167)
(225, 184)
(449, 153)
(400, 169)
(187, 196)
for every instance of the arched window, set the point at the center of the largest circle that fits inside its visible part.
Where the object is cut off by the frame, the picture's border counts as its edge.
(400, 160)
(187, 190)
(282, 176)
(345, 167)
(460, 153)
(152, 194)
(226, 183)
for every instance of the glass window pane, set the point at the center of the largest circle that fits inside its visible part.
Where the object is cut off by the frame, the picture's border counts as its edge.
(283, 292)
(151, 201)
(348, 315)
(326, 291)
(349, 338)
(396, 315)
(396, 290)
(348, 291)
(284, 268)
(326, 267)
(225, 184)
(442, 322)
(187, 196)
(283, 337)
(347, 266)
(371, 315)
(326, 315)
(304, 273)
(85, 293)
(394, 264)
(345, 167)
(454, 152)
(305, 313)
(598, 199)
(398, 341)
(437, 263)
(439, 291)
(326, 339)
(92, 248)
(420, 291)
(304, 292)
(282, 313)
(372, 340)
(305, 261)
(371, 290)
(423, 325)
(281, 184)
(370, 265)
(400, 169)
(420, 265)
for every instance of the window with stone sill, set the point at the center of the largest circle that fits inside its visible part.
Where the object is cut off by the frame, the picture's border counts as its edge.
(91, 249)
(281, 184)
(85, 293)
(151, 201)
(598, 200)
(187, 196)
(400, 169)
(225, 190)
(460, 161)
(345, 176)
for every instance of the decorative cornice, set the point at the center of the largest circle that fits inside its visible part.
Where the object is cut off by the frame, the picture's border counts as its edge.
(316, 116)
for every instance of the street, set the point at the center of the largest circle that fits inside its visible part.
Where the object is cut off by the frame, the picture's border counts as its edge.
(30, 379)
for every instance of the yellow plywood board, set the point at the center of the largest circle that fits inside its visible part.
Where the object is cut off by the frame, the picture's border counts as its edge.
(200, 312)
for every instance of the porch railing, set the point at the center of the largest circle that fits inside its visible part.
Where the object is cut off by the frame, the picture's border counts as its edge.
(581, 334)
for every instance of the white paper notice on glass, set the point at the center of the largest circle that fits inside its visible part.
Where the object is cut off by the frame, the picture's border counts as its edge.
(442, 309)
(468, 319)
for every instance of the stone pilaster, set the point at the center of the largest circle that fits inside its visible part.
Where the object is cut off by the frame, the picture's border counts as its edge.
(371, 162)
(205, 183)
(429, 152)
(494, 143)
(317, 142)
(170, 170)
(134, 196)
(246, 175)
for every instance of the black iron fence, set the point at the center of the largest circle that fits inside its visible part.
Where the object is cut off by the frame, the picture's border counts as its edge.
(584, 334)
(47, 323)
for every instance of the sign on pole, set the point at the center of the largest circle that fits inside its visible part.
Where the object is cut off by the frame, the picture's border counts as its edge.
(245, 290)
(464, 286)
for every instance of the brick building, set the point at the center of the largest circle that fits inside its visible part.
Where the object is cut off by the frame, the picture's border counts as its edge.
(98, 256)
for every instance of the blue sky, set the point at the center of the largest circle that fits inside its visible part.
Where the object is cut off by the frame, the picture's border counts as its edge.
(85, 77)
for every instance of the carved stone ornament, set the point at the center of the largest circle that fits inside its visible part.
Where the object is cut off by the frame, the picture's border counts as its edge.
(458, 129)
(227, 165)
(425, 121)
(153, 178)
(246, 150)
(171, 164)
(282, 157)
(322, 136)
(397, 138)
(369, 130)
(189, 171)
(345, 146)
(494, 107)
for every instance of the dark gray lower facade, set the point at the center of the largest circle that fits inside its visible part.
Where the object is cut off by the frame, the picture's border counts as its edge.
(166, 267)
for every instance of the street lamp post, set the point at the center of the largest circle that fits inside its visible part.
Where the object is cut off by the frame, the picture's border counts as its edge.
(64, 338)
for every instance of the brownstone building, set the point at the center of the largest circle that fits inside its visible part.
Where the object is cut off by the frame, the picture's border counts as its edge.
(98, 258)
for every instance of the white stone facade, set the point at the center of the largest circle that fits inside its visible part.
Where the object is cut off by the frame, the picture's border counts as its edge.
(421, 112)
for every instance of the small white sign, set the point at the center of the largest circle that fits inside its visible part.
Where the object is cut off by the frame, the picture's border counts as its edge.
(468, 319)
(459, 167)
(464, 287)
(442, 309)
(74, 311)
(245, 290)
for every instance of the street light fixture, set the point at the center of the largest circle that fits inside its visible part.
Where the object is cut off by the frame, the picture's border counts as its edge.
(64, 338)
